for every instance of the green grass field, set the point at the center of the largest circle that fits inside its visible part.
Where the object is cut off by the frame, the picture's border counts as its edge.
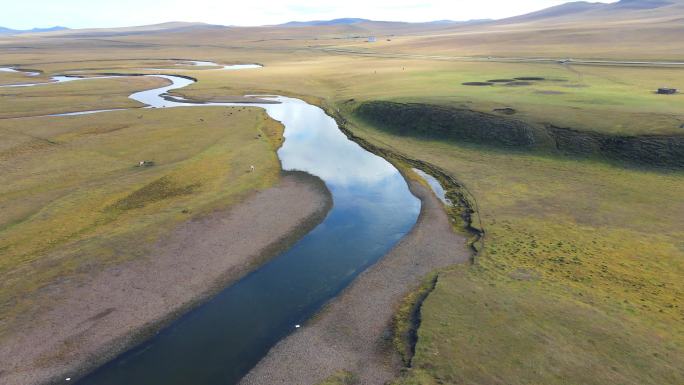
(579, 280)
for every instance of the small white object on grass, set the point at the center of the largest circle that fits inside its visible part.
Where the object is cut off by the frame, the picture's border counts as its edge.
(251, 168)
(298, 326)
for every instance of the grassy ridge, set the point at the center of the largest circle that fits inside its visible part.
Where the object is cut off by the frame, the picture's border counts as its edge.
(73, 199)
(579, 279)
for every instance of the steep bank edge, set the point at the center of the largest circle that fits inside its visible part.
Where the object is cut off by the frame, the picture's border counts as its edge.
(451, 123)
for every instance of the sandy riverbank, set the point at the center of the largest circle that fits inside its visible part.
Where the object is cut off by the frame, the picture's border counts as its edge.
(91, 322)
(353, 332)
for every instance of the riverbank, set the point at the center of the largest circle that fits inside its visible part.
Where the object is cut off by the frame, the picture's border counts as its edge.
(353, 333)
(580, 262)
(88, 323)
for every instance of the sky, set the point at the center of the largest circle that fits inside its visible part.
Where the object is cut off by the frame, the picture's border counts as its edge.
(120, 13)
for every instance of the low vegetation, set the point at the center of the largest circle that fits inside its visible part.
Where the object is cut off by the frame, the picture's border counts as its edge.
(84, 95)
(407, 319)
(578, 276)
(75, 198)
(342, 377)
(576, 97)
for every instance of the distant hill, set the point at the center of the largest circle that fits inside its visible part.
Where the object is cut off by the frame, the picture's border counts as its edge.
(355, 21)
(9, 31)
(451, 22)
(174, 26)
(626, 29)
(342, 21)
(566, 9)
(642, 4)
(580, 10)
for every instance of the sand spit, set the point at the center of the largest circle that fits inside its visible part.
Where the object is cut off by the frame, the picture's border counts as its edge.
(353, 332)
(90, 323)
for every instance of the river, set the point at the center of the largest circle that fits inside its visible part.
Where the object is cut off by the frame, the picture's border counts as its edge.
(219, 341)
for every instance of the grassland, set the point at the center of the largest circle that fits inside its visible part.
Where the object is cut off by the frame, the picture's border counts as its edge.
(580, 276)
(341, 378)
(83, 95)
(576, 96)
(73, 199)
(579, 98)
(579, 279)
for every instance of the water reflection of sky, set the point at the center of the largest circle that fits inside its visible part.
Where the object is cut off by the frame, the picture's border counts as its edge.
(218, 342)
(54, 79)
(313, 143)
(434, 185)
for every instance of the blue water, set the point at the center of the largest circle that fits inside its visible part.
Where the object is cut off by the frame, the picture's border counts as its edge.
(219, 341)
(435, 186)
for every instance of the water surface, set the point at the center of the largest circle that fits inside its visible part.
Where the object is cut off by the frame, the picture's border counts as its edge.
(435, 186)
(56, 79)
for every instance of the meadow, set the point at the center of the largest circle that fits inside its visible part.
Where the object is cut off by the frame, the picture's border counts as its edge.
(579, 274)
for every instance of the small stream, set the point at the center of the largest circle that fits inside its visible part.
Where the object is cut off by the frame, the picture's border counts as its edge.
(221, 340)
(12, 69)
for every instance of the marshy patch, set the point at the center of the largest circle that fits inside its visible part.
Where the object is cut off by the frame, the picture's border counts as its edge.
(505, 111)
(342, 377)
(501, 80)
(530, 78)
(158, 190)
(478, 84)
(518, 84)
(666, 91)
(576, 85)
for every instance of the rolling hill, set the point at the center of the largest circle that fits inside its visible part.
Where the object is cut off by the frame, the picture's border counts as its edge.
(10, 31)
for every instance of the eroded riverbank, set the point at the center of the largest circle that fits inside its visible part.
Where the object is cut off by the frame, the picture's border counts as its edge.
(354, 332)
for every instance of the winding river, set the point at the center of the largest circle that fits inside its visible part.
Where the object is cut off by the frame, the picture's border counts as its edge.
(221, 340)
